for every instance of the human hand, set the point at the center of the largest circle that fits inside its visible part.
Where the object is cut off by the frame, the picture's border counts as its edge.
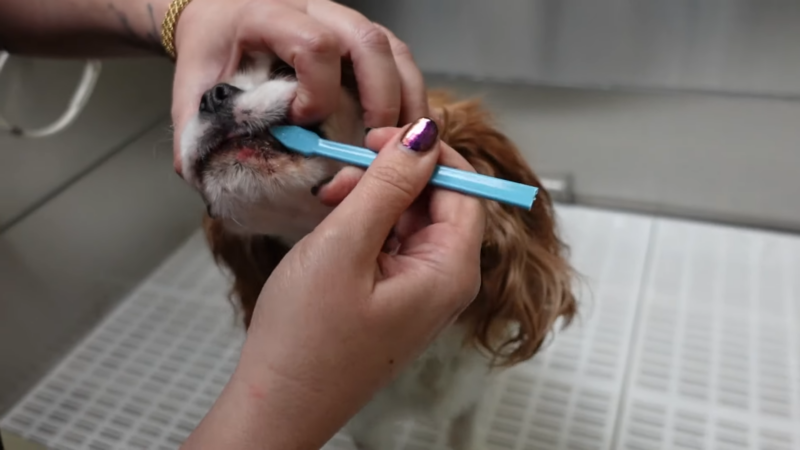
(310, 35)
(339, 317)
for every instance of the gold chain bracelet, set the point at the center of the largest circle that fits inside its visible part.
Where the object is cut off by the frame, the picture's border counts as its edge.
(176, 7)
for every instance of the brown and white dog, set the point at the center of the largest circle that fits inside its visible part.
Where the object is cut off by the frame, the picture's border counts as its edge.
(261, 200)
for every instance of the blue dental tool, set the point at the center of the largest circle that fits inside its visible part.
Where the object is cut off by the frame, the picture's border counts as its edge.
(309, 143)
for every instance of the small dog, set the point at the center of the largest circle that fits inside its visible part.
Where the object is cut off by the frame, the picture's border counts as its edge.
(261, 199)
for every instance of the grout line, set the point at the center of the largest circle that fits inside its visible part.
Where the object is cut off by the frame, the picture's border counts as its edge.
(647, 267)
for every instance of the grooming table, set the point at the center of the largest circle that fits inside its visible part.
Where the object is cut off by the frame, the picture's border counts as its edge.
(688, 338)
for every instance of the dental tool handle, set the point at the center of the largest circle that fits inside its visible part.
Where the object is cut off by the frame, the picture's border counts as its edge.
(445, 177)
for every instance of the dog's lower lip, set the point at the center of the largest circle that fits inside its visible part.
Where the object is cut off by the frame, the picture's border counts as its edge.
(238, 142)
(241, 139)
(262, 141)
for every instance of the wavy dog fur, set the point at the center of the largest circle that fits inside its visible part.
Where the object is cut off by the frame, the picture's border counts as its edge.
(526, 279)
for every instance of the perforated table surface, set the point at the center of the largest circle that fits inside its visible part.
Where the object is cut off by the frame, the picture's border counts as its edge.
(689, 338)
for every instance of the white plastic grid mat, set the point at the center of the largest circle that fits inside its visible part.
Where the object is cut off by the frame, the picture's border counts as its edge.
(717, 361)
(146, 376)
(704, 354)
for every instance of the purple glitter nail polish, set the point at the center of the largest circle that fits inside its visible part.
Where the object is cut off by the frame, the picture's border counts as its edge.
(421, 136)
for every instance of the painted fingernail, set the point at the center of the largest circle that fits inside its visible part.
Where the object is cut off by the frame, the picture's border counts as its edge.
(421, 136)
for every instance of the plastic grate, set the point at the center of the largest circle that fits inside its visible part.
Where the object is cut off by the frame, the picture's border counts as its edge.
(717, 363)
(687, 338)
(146, 376)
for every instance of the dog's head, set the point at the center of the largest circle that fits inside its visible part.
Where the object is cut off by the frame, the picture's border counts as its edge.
(260, 201)
(248, 180)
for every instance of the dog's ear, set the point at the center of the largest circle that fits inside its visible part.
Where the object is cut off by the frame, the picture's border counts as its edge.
(250, 260)
(526, 278)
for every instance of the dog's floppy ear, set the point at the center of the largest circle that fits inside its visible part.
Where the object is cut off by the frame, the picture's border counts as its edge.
(249, 259)
(526, 279)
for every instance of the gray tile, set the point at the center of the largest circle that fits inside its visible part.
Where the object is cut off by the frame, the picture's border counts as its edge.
(70, 261)
(129, 97)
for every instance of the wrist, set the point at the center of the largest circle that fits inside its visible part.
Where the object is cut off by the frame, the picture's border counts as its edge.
(308, 397)
(152, 22)
(137, 24)
(264, 411)
(169, 25)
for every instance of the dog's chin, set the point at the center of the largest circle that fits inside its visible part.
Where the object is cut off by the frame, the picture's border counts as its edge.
(247, 206)
(257, 188)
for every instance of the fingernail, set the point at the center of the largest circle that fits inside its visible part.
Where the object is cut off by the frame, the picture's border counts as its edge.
(315, 189)
(421, 136)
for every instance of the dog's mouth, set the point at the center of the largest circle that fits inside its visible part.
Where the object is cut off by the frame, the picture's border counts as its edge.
(247, 145)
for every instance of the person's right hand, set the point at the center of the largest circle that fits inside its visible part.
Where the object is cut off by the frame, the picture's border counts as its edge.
(340, 316)
(310, 35)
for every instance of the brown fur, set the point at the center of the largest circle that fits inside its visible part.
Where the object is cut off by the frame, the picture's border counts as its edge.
(250, 260)
(526, 279)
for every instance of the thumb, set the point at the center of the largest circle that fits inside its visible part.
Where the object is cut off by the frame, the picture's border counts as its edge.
(390, 185)
(196, 70)
(188, 86)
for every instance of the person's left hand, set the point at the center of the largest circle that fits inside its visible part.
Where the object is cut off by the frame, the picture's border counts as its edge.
(310, 35)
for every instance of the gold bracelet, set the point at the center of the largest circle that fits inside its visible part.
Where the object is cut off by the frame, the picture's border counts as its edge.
(176, 7)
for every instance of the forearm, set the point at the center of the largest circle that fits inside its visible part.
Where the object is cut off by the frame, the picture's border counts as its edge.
(85, 28)
(261, 409)
(266, 415)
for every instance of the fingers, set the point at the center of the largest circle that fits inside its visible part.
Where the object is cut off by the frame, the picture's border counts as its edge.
(414, 98)
(304, 43)
(415, 218)
(389, 186)
(335, 191)
(200, 64)
(189, 84)
(369, 48)
(378, 137)
(191, 81)
(312, 36)
(463, 213)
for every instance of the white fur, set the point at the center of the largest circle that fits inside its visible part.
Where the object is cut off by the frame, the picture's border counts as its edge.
(268, 205)
(267, 102)
(447, 381)
(443, 385)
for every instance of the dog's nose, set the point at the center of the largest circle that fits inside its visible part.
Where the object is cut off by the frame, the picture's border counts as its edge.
(217, 97)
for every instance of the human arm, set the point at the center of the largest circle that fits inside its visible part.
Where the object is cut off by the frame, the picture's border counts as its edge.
(82, 28)
(339, 317)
